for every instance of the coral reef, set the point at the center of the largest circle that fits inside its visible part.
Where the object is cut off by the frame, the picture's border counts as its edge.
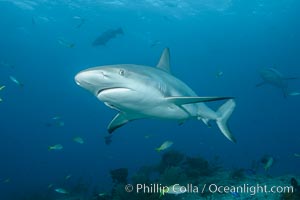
(119, 175)
(186, 171)
(196, 167)
(295, 195)
(173, 175)
(170, 159)
(237, 174)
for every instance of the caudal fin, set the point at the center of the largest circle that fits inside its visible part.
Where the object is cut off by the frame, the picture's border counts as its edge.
(224, 113)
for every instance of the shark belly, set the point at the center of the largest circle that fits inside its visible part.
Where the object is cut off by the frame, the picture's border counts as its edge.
(145, 105)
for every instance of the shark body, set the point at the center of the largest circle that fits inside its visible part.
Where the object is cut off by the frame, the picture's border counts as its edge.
(139, 92)
(274, 77)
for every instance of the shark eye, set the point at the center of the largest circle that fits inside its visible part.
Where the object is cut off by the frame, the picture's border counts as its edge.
(121, 72)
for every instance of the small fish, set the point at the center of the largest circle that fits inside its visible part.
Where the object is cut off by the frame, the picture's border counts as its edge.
(61, 191)
(219, 74)
(155, 43)
(6, 180)
(147, 136)
(68, 177)
(16, 81)
(56, 147)
(77, 17)
(102, 194)
(56, 117)
(1, 88)
(65, 43)
(294, 94)
(78, 140)
(82, 21)
(267, 162)
(50, 186)
(173, 189)
(235, 194)
(55, 121)
(297, 155)
(164, 146)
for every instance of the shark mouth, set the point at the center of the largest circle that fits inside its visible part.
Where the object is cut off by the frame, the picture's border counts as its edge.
(111, 88)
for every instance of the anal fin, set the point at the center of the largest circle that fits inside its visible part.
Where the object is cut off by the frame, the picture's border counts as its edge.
(206, 122)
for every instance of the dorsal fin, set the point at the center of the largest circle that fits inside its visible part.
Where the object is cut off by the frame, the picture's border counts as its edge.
(164, 61)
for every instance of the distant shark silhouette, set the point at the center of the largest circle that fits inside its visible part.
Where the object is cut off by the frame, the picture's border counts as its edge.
(107, 36)
(138, 92)
(274, 77)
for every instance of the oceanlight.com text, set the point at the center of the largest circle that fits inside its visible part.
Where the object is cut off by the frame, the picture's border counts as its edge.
(207, 188)
(249, 189)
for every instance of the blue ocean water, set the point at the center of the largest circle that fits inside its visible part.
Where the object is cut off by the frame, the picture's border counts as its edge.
(205, 38)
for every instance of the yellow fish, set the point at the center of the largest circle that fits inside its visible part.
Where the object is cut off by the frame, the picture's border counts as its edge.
(78, 140)
(164, 146)
(61, 191)
(68, 177)
(56, 147)
(297, 155)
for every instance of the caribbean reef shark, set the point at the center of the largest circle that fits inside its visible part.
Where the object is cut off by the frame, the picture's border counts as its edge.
(274, 77)
(139, 92)
(107, 36)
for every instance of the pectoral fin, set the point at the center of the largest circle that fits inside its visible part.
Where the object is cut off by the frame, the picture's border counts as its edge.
(118, 121)
(189, 100)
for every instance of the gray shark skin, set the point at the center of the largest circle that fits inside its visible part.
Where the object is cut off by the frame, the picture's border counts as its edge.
(140, 92)
(274, 77)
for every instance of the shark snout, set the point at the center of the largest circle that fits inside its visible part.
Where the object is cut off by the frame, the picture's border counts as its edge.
(79, 78)
(84, 77)
(91, 80)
